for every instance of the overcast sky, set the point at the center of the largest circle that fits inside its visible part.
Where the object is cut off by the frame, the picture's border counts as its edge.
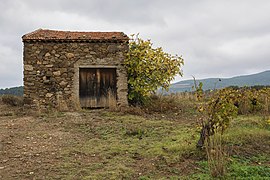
(217, 38)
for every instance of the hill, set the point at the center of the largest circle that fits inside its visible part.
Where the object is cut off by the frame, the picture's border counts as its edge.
(260, 79)
(18, 91)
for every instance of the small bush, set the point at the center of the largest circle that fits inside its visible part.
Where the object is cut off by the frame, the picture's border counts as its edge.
(166, 104)
(12, 100)
(254, 101)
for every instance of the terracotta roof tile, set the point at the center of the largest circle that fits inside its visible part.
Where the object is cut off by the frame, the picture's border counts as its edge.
(53, 35)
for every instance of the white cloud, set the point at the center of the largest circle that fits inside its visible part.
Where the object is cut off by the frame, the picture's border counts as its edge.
(240, 48)
(11, 67)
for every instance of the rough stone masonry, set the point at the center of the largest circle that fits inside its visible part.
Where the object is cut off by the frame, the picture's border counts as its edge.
(52, 60)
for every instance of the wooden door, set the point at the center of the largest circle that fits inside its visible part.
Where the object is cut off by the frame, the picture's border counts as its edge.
(97, 87)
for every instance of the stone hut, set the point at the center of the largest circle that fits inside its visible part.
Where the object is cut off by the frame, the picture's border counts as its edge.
(69, 70)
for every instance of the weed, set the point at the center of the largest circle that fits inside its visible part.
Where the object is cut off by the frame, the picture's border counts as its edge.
(144, 178)
(134, 110)
(135, 131)
(216, 156)
(244, 170)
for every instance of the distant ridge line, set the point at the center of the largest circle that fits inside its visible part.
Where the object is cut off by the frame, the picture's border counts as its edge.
(257, 79)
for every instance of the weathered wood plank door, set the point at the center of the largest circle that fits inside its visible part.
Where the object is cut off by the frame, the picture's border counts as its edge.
(97, 87)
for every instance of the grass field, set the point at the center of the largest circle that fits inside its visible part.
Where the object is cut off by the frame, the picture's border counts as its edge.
(100, 144)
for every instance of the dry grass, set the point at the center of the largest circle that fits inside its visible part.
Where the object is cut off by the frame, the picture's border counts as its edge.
(12, 100)
(216, 155)
(167, 104)
(112, 103)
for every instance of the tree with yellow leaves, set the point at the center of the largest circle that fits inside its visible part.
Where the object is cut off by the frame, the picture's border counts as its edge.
(149, 68)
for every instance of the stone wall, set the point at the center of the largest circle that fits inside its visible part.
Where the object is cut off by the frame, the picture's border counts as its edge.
(51, 71)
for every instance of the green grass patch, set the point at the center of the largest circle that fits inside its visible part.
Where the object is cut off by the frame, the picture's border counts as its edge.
(120, 141)
(245, 170)
(237, 169)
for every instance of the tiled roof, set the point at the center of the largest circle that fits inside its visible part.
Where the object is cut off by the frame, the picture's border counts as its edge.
(53, 35)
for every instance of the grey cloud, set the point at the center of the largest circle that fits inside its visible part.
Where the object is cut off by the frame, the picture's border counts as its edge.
(216, 38)
(116, 11)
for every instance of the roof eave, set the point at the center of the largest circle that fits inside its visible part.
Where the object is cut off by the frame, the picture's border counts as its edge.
(76, 40)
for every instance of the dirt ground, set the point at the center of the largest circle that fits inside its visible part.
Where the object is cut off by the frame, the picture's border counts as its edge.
(31, 146)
